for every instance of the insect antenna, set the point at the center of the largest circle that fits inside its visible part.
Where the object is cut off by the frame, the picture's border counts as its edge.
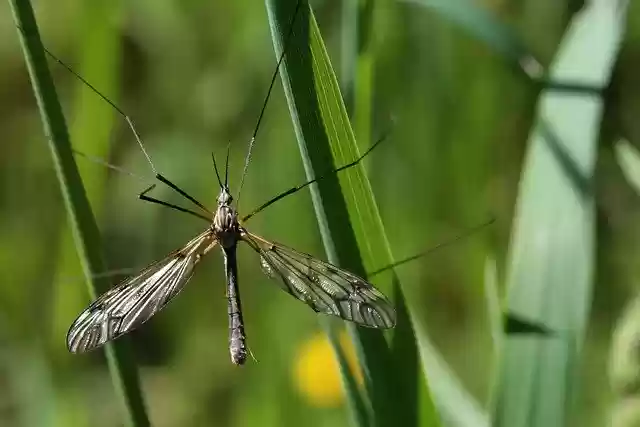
(226, 167)
(215, 167)
(266, 100)
(129, 122)
(439, 246)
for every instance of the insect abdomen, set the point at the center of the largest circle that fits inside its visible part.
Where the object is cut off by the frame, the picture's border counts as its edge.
(237, 338)
(237, 345)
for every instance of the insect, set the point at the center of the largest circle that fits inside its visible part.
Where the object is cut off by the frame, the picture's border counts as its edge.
(322, 286)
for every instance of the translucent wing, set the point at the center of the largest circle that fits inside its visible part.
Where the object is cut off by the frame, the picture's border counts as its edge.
(324, 287)
(131, 303)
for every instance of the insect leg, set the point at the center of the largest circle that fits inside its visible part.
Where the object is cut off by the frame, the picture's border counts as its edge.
(441, 245)
(143, 196)
(108, 101)
(266, 100)
(127, 119)
(328, 173)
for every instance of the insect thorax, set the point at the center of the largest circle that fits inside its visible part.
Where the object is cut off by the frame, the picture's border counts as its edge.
(225, 225)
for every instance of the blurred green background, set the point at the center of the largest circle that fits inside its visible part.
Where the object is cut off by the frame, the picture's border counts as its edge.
(193, 76)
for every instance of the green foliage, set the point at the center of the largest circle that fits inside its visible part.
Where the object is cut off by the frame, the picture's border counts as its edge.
(457, 83)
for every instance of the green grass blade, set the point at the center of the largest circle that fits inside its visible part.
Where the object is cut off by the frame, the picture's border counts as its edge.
(29, 374)
(362, 113)
(456, 406)
(349, 221)
(550, 278)
(481, 25)
(404, 350)
(280, 17)
(348, 50)
(629, 160)
(492, 295)
(85, 231)
(91, 122)
(358, 408)
(358, 57)
(624, 367)
(357, 61)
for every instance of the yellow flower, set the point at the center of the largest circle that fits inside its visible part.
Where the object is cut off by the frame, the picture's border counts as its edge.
(317, 373)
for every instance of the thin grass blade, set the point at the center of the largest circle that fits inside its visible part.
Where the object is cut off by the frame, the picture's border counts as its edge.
(85, 231)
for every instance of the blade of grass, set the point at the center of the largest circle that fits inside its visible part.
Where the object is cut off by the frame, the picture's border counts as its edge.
(97, 56)
(28, 372)
(406, 346)
(363, 79)
(553, 242)
(357, 406)
(358, 54)
(495, 317)
(358, 60)
(624, 367)
(348, 51)
(84, 228)
(492, 296)
(404, 351)
(349, 221)
(457, 407)
(357, 63)
(279, 19)
(92, 122)
(628, 158)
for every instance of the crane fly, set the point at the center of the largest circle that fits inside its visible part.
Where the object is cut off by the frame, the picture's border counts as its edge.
(322, 286)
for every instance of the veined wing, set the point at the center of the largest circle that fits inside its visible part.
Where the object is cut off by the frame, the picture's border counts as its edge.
(131, 303)
(324, 287)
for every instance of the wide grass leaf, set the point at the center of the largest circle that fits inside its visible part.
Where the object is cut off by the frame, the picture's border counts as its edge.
(551, 266)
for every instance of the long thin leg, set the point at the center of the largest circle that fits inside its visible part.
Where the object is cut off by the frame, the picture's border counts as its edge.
(266, 100)
(159, 177)
(99, 161)
(301, 186)
(449, 242)
(143, 196)
(183, 193)
(108, 101)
